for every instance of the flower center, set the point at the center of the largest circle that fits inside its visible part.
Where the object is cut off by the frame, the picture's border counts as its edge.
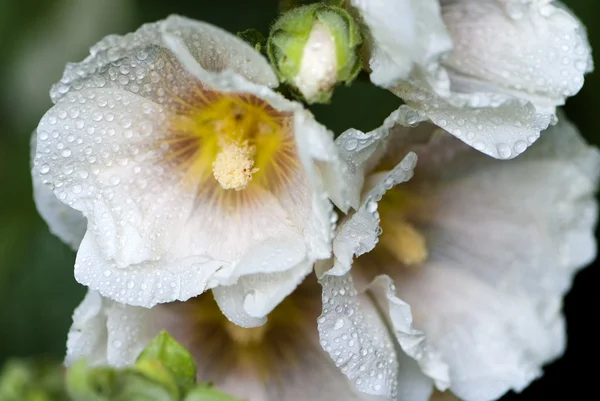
(246, 336)
(403, 241)
(234, 165)
(399, 236)
(236, 138)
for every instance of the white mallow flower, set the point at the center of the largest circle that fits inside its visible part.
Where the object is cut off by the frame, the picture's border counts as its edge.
(473, 260)
(511, 63)
(481, 253)
(287, 357)
(192, 173)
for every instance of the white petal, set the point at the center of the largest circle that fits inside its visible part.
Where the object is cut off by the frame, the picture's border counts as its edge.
(146, 283)
(528, 48)
(512, 64)
(356, 338)
(492, 342)
(412, 341)
(504, 241)
(529, 224)
(136, 62)
(106, 332)
(358, 233)
(500, 126)
(254, 296)
(406, 37)
(63, 221)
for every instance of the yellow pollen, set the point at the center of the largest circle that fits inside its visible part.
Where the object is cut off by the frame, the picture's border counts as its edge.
(234, 165)
(245, 336)
(405, 243)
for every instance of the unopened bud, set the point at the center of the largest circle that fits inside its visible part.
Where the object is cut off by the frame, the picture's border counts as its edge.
(315, 47)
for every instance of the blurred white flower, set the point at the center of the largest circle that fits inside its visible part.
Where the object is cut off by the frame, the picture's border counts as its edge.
(511, 63)
(481, 253)
(193, 174)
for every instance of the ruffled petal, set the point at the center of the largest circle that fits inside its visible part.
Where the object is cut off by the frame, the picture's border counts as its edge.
(63, 221)
(358, 233)
(140, 62)
(356, 338)
(489, 295)
(536, 50)
(512, 64)
(497, 125)
(107, 332)
(291, 366)
(492, 342)
(406, 38)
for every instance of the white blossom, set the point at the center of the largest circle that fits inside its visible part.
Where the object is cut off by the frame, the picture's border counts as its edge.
(192, 173)
(510, 64)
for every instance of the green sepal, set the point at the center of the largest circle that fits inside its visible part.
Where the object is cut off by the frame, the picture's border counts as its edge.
(289, 36)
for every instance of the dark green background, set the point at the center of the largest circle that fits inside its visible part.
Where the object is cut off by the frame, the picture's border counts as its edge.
(37, 289)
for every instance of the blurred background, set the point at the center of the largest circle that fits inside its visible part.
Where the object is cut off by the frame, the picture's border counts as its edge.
(37, 289)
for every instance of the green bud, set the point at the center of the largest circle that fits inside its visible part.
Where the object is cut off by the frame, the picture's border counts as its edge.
(315, 47)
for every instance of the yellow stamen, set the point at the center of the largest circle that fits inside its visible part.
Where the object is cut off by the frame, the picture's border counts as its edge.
(238, 137)
(405, 243)
(234, 165)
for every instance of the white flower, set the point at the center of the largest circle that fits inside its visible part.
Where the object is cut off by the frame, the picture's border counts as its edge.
(281, 360)
(287, 358)
(512, 63)
(192, 173)
(481, 253)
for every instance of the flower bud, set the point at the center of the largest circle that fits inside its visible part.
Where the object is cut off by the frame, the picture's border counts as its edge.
(313, 48)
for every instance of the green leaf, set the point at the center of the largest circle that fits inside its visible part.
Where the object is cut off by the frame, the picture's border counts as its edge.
(173, 356)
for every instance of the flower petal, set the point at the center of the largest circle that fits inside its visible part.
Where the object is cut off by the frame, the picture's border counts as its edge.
(491, 342)
(356, 339)
(137, 62)
(358, 233)
(489, 296)
(107, 332)
(406, 37)
(504, 87)
(291, 366)
(500, 126)
(412, 341)
(540, 55)
(63, 221)
(529, 224)
(253, 296)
